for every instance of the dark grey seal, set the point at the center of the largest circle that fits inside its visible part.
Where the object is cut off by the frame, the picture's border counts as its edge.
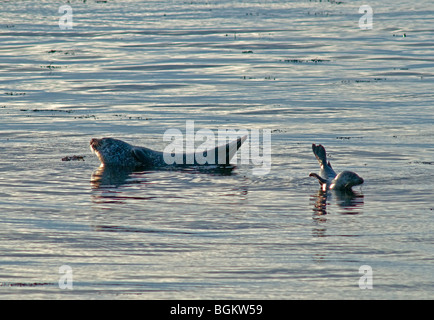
(328, 178)
(114, 152)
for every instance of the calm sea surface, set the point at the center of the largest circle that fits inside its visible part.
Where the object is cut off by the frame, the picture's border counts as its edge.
(304, 70)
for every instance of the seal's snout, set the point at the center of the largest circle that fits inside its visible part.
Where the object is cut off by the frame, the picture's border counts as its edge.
(353, 179)
(94, 144)
(358, 179)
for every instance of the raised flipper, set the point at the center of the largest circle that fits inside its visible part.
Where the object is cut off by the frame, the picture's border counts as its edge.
(226, 153)
(320, 154)
(327, 171)
(220, 155)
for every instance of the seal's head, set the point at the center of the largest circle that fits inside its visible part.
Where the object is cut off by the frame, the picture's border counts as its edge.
(112, 152)
(345, 180)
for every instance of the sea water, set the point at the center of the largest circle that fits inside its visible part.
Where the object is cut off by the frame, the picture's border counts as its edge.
(360, 83)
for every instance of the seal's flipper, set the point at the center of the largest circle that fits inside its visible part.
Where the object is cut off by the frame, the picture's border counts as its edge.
(146, 157)
(320, 180)
(327, 171)
(224, 154)
(320, 154)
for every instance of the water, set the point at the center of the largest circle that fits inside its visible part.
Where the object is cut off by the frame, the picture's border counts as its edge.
(133, 69)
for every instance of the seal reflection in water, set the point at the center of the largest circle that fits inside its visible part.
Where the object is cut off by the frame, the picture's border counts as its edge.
(348, 201)
(110, 176)
(104, 177)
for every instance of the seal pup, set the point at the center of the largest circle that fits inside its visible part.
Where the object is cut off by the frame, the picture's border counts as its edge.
(328, 178)
(114, 152)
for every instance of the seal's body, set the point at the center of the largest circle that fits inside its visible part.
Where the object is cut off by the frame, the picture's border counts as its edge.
(328, 178)
(114, 152)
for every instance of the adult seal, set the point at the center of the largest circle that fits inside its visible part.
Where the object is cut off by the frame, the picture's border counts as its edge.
(117, 153)
(328, 178)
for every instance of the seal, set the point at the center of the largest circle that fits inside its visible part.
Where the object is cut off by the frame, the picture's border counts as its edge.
(114, 152)
(328, 178)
